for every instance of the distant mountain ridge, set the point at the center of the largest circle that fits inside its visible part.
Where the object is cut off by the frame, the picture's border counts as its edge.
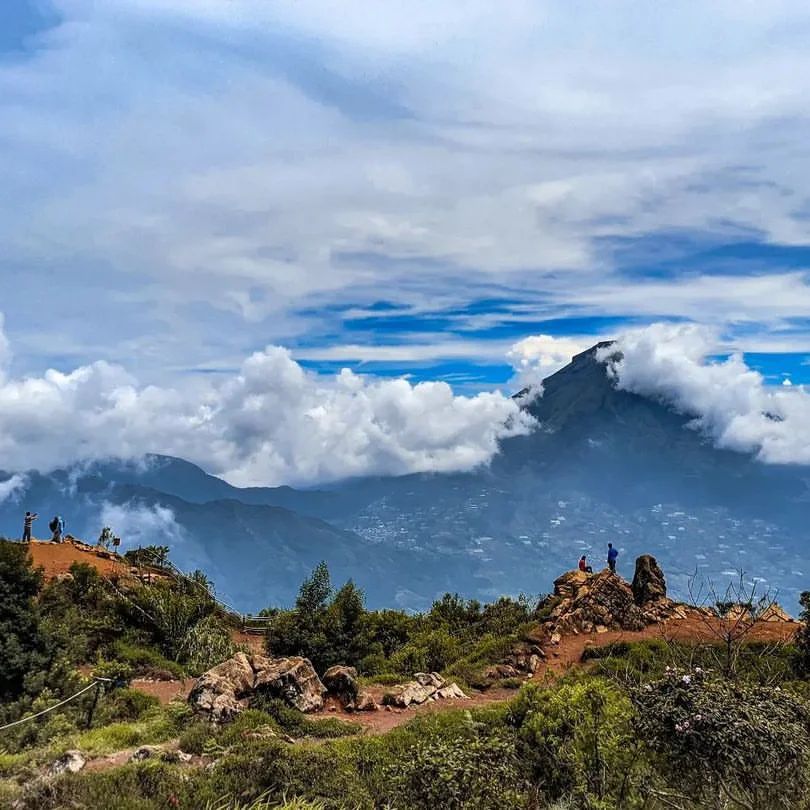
(604, 464)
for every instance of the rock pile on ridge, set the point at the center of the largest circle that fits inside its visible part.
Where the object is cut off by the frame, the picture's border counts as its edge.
(588, 603)
(229, 688)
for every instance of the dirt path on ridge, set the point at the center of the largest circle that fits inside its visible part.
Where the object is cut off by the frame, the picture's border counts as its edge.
(559, 660)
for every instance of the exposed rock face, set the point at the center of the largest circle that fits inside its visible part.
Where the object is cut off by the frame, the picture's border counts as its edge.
(587, 601)
(341, 682)
(775, 613)
(69, 762)
(649, 584)
(424, 687)
(228, 688)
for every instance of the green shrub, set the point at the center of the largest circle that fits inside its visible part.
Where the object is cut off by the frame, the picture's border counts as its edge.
(193, 740)
(727, 742)
(126, 704)
(576, 737)
(297, 724)
(450, 760)
(207, 644)
(146, 661)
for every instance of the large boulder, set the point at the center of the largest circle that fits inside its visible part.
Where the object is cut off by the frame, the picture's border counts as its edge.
(224, 691)
(69, 762)
(291, 679)
(341, 681)
(649, 584)
(230, 687)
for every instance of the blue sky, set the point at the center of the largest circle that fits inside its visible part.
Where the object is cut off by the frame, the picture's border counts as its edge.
(412, 191)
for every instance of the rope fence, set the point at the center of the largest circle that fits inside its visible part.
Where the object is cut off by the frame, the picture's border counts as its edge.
(95, 683)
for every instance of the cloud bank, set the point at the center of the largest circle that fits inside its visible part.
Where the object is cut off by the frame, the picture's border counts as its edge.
(271, 422)
(730, 402)
(193, 179)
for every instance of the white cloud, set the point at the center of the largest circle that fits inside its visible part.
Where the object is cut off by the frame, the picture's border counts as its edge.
(729, 401)
(539, 356)
(181, 155)
(140, 525)
(271, 422)
(12, 487)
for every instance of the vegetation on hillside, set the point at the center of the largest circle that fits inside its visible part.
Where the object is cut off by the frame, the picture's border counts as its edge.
(640, 726)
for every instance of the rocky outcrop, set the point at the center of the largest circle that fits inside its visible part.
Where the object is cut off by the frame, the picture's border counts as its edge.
(424, 687)
(341, 682)
(775, 613)
(524, 659)
(230, 687)
(596, 603)
(587, 602)
(649, 584)
(291, 679)
(69, 762)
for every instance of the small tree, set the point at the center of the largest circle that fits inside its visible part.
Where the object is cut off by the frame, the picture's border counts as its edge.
(731, 618)
(22, 647)
(314, 592)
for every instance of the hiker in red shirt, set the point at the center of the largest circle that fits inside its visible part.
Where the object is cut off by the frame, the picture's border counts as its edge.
(583, 566)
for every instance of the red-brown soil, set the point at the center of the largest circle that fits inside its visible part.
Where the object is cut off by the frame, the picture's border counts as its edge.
(56, 558)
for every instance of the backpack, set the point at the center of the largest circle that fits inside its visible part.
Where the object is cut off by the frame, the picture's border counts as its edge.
(54, 524)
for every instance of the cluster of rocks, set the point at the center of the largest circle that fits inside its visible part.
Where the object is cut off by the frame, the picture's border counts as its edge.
(233, 686)
(425, 686)
(594, 603)
(524, 659)
(230, 687)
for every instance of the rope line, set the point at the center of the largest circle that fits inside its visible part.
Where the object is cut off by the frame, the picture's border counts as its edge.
(56, 706)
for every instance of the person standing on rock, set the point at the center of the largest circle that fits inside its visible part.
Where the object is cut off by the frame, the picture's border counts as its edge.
(612, 555)
(57, 527)
(30, 517)
(583, 565)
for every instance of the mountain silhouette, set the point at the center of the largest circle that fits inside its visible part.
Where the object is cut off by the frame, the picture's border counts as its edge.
(604, 465)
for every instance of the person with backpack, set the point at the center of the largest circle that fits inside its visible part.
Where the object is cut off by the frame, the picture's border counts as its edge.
(583, 565)
(57, 527)
(30, 517)
(612, 555)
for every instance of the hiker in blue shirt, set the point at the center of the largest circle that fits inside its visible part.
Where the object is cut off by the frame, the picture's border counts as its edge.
(612, 555)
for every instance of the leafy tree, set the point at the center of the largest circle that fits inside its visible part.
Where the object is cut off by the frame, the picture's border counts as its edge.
(314, 592)
(22, 646)
(326, 630)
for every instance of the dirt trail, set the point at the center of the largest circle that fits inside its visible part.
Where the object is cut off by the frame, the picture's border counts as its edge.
(253, 641)
(560, 659)
(565, 656)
